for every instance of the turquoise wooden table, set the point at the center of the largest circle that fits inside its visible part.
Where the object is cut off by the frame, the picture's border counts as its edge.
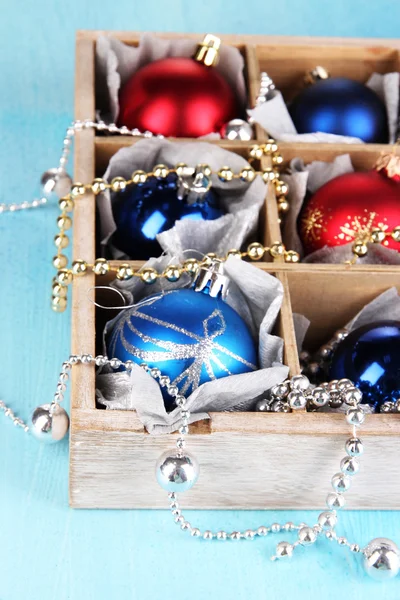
(47, 550)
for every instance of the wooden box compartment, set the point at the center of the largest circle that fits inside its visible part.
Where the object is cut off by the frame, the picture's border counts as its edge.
(248, 460)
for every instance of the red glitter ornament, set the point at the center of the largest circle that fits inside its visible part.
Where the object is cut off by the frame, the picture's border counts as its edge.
(350, 206)
(179, 97)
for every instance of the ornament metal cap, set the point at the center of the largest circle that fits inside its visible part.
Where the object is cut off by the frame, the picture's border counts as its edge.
(193, 184)
(208, 51)
(317, 74)
(210, 277)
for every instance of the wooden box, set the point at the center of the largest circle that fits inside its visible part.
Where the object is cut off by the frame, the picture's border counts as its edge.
(248, 460)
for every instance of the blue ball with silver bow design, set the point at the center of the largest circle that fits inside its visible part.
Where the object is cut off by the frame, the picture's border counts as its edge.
(144, 210)
(192, 336)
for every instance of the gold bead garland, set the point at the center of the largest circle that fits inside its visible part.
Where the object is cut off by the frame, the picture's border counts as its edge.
(172, 273)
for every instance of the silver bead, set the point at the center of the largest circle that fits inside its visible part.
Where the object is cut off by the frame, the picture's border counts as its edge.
(177, 473)
(355, 416)
(354, 447)
(249, 534)
(289, 526)
(235, 535)
(300, 382)
(345, 384)
(49, 423)
(208, 535)
(352, 395)
(327, 519)
(237, 129)
(341, 482)
(382, 559)
(330, 535)
(354, 548)
(284, 550)
(320, 397)
(335, 398)
(221, 535)
(342, 541)
(325, 352)
(195, 532)
(297, 400)
(307, 536)
(57, 182)
(280, 391)
(349, 465)
(335, 501)
(275, 528)
(262, 531)
(341, 334)
(263, 406)
(185, 526)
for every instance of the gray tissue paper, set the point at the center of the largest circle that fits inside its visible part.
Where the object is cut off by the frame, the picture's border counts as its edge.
(241, 201)
(257, 297)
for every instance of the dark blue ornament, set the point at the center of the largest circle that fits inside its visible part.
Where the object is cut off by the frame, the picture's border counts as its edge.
(370, 357)
(142, 211)
(343, 107)
(190, 336)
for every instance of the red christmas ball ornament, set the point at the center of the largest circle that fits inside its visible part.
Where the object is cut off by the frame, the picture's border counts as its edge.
(349, 207)
(179, 97)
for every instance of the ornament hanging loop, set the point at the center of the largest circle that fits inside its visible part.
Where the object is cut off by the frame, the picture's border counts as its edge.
(208, 51)
(317, 74)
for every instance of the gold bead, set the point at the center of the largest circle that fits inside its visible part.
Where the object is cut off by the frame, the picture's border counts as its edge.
(283, 205)
(270, 147)
(180, 168)
(360, 249)
(377, 235)
(256, 152)
(160, 171)
(66, 204)
(269, 174)
(59, 290)
(148, 275)
(64, 276)
(118, 184)
(64, 222)
(292, 257)
(139, 177)
(191, 265)
(208, 258)
(60, 261)
(235, 253)
(101, 266)
(79, 267)
(225, 174)
(172, 273)
(58, 304)
(277, 249)
(256, 251)
(124, 272)
(206, 169)
(98, 185)
(277, 159)
(247, 174)
(61, 240)
(396, 234)
(78, 189)
(281, 188)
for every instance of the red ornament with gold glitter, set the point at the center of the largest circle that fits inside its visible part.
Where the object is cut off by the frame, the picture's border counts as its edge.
(350, 207)
(179, 97)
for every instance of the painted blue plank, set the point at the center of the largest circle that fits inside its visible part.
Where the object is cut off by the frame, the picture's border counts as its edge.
(48, 551)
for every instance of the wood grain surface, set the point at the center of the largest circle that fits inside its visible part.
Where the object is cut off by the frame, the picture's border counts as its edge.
(48, 551)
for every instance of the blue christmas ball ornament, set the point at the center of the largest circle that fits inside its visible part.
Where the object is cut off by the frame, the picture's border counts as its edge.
(144, 210)
(191, 335)
(341, 106)
(370, 358)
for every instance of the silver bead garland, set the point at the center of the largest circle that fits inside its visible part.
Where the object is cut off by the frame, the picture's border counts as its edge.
(179, 470)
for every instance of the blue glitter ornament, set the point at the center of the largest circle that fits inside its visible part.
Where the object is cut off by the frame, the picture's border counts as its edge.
(191, 335)
(341, 106)
(142, 211)
(370, 358)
